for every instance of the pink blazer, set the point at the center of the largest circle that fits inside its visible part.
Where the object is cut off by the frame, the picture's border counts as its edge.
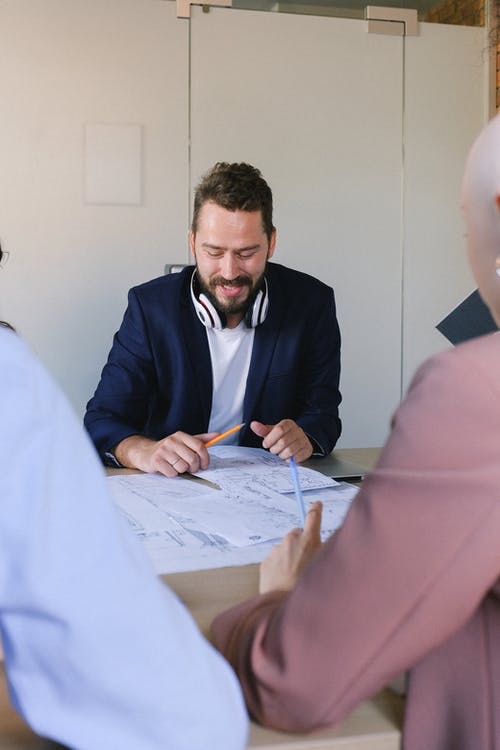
(410, 581)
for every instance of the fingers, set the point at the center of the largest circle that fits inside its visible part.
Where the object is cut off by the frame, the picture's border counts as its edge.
(180, 453)
(206, 436)
(278, 570)
(260, 429)
(170, 468)
(286, 561)
(288, 439)
(284, 439)
(292, 537)
(312, 526)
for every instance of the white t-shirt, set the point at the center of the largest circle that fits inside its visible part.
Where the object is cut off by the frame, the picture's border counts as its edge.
(230, 353)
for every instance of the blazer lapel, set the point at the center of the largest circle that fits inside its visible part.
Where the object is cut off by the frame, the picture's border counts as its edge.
(266, 337)
(198, 354)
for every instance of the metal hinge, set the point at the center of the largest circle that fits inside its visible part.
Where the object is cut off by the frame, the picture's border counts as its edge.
(395, 21)
(184, 6)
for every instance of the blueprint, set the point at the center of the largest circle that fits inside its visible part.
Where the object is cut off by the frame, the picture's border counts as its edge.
(236, 469)
(185, 524)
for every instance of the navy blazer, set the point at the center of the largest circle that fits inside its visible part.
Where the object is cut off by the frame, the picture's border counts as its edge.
(158, 377)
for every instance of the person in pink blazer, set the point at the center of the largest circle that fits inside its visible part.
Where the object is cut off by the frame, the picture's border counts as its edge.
(411, 580)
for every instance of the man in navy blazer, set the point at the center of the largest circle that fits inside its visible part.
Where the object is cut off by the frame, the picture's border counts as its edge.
(234, 339)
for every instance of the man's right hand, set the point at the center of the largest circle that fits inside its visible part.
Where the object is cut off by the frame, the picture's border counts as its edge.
(176, 454)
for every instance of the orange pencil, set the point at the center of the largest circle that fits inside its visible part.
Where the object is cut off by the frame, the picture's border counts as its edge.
(224, 434)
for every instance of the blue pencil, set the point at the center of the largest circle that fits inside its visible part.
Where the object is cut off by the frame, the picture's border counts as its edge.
(298, 491)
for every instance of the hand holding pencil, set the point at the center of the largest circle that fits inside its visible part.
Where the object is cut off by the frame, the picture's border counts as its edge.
(287, 560)
(179, 453)
(223, 435)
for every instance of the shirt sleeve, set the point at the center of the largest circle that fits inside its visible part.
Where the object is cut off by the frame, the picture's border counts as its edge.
(414, 558)
(98, 652)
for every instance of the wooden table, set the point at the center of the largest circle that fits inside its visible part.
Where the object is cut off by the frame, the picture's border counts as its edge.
(373, 725)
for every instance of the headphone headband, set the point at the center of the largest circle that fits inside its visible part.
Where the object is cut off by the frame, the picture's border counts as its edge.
(211, 318)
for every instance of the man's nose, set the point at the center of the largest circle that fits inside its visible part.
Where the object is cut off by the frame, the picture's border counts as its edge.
(229, 266)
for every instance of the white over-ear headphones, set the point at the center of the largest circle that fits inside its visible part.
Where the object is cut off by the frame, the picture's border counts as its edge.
(209, 316)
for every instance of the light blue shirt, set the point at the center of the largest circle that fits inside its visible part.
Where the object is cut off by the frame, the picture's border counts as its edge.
(98, 652)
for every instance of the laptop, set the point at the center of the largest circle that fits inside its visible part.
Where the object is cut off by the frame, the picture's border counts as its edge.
(337, 468)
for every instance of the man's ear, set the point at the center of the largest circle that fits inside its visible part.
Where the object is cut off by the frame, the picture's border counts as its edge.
(497, 201)
(191, 243)
(272, 243)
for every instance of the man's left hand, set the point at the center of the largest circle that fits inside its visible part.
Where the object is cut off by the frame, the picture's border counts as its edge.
(284, 439)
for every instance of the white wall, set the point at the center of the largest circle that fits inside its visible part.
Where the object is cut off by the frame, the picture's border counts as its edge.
(445, 73)
(65, 63)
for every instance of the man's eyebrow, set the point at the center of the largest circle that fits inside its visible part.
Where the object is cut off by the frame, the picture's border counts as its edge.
(238, 249)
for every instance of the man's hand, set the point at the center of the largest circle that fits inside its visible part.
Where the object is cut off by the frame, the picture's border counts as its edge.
(176, 454)
(284, 439)
(282, 568)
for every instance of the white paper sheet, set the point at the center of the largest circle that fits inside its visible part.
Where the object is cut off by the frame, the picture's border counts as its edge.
(187, 525)
(237, 470)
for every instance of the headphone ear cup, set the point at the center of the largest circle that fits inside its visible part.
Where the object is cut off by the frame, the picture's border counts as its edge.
(205, 311)
(208, 314)
(257, 313)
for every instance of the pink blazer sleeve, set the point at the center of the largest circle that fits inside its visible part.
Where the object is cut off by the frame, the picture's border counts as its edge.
(418, 550)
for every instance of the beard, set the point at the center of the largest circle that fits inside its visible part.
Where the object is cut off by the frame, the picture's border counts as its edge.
(231, 307)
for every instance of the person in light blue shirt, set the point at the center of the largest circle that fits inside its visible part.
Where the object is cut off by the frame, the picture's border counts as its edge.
(98, 652)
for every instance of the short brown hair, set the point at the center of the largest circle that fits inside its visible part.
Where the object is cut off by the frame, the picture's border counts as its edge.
(235, 187)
